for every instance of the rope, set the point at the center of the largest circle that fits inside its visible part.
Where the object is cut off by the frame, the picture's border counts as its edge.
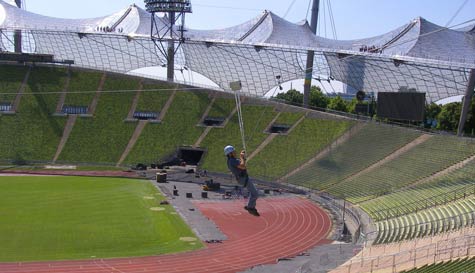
(225, 7)
(240, 120)
(308, 9)
(456, 13)
(332, 19)
(289, 8)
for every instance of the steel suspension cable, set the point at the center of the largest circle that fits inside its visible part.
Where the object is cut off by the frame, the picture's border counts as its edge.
(237, 97)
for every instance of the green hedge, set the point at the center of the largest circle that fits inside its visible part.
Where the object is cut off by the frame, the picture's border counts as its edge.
(287, 152)
(222, 108)
(179, 127)
(153, 98)
(11, 78)
(103, 138)
(82, 81)
(33, 133)
(289, 118)
(256, 119)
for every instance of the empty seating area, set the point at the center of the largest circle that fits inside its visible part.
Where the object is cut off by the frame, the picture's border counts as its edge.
(423, 160)
(74, 110)
(365, 147)
(287, 152)
(145, 115)
(448, 188)
(454, 266)
(432, 221)
(5, 107)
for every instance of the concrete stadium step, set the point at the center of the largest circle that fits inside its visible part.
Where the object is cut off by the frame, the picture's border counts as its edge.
(16, 102)
(66, 133)
(95, 100)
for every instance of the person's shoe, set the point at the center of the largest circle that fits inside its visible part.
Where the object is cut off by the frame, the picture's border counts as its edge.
(252, 211)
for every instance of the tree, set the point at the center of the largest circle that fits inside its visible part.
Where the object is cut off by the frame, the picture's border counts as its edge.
(470, 124)
(292, 96)
(431, 112)
(352, 105)
(449, 117)
(318, 98)
(338, 104)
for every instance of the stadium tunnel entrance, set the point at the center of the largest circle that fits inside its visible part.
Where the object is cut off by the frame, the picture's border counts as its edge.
(189, 155)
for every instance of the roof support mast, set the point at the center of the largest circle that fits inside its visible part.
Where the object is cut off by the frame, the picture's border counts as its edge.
(466, 102)
(170, 34)
(171, 49)
(17, 35)
(310, 55)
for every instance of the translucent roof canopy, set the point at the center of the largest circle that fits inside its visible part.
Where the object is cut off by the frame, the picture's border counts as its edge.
(419, 55)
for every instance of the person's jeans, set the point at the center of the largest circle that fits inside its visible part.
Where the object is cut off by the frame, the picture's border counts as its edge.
(253, 194)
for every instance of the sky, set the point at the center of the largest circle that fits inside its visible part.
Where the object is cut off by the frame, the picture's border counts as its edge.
(353, 18)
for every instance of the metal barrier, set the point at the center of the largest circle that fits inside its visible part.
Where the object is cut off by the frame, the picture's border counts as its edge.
(433, 201)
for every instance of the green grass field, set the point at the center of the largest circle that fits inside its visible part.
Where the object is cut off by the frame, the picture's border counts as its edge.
(61, 218)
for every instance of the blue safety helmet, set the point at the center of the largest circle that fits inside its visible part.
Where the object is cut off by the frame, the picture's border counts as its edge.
(228, 149)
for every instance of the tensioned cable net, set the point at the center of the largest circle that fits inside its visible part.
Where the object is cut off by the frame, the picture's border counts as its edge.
(256, 52)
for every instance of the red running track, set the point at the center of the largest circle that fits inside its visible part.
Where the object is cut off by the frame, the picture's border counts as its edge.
(286, 227)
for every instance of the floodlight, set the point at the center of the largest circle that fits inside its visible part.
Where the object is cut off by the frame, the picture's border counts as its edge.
(235, 86)
(168, 6)
(165, 35)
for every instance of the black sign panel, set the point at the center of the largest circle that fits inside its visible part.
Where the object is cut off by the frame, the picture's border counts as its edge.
(401, 105)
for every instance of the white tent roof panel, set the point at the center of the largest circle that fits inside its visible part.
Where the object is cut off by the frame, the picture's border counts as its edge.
(418, 55)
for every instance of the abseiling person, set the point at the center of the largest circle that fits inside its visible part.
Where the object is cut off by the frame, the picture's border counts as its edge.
(238, 168)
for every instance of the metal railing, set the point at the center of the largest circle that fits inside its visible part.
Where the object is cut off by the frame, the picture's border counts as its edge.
(423, 204)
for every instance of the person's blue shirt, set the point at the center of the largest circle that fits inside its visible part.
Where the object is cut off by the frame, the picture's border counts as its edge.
(233, 167)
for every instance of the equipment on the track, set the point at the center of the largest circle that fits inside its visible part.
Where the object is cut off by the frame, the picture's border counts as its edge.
(210, 185)
(162, 177)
